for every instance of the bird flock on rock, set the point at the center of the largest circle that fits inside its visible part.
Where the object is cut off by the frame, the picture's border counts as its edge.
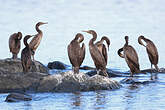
(76, 51)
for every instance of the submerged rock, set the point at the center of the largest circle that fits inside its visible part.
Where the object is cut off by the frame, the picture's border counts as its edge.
(135, 81)
(14, 66)
(69, 82)
(57, 65)
(15, 97)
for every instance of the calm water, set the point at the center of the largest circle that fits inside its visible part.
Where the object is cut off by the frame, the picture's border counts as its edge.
(113, 18)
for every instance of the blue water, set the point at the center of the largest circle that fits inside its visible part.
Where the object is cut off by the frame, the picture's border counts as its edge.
(113, 18)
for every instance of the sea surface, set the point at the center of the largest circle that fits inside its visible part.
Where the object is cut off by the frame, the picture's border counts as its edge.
(112, 18)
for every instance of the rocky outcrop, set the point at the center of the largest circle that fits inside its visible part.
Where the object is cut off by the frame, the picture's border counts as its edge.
(16, 97)
(69, 82)
(14, 66)
(57, 65)
(20, 81)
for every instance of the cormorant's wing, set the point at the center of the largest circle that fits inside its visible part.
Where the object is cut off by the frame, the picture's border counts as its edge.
(104, 52)
(97, 57)
(82, 54)
(11, 43)
(132, 57)
(34, 43)
(73, 54)
(152, 53)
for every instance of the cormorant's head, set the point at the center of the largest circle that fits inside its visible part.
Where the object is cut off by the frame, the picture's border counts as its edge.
(90, 32)
(126, 38)
(41, 23)
(140, 40)
(78, 35)
(19, 35)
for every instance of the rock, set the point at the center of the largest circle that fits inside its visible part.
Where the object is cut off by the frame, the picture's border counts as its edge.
(110, 72)
(62, 82)
(14, 66)
(15, 97)
(98, 82)
(19, 81)
(162, 70)
(87, 68)
(135, 81)
(70, 82)
(57, 65)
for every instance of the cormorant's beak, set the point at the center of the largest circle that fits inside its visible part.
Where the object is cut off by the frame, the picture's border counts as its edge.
(86, 31)
(44, 23)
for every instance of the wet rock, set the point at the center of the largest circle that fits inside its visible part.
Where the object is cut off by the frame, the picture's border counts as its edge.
(110, 72)
(57, 65)
(15, 97)
(19, 81)
(69, 82)
(62, 82)
(14, 66)
(162, 70)
(59, 82)
(87, 68)
(128, 81)
(98, 82)
(135, 81)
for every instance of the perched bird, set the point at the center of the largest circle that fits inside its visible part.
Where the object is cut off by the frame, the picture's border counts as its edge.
(35, 42)
(15, 44)
(96, 55)
(76, 53)
(130, 56)
(26, 55)
(102, 48)
(151, 51)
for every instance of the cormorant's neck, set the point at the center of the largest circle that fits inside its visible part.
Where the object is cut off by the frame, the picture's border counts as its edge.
(94, 38)
(37, 29)
(26, 44)
(25, 41)
(126, 42)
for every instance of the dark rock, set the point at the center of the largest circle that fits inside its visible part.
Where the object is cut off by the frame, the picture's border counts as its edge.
(110, 72)
(162, 70)
(98, 82)
(128, 81)
(15, 97)
(57, 65)
(87, 68)
(20, 81)
(14, 66)
(135, 81)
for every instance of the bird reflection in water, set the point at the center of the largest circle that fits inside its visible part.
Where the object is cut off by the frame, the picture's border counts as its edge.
(76, 99)
(130, 96)
(100, 100)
